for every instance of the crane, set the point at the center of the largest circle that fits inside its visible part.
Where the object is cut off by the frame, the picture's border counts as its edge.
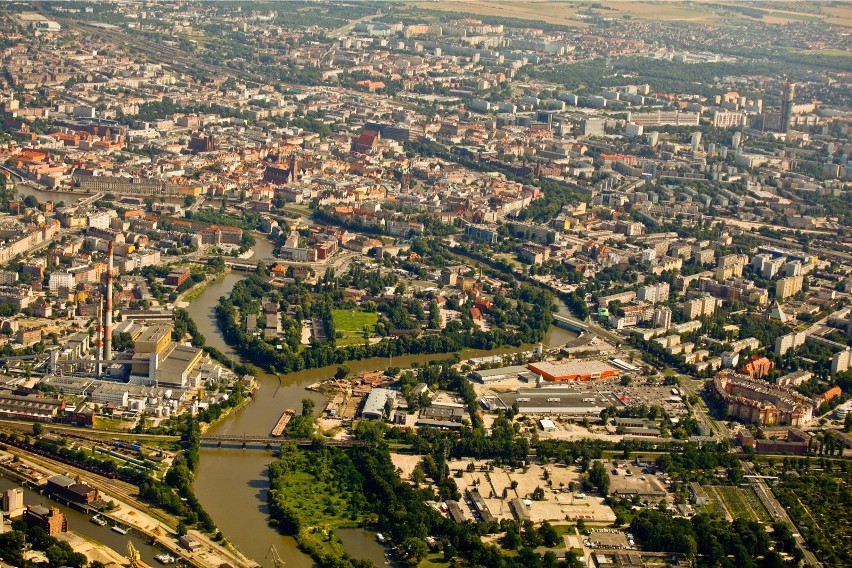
(133, 555)
(276, 559)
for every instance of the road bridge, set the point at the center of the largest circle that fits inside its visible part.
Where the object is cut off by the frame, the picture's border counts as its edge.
(569, 323)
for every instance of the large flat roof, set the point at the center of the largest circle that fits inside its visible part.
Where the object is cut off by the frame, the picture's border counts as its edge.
(573, 369)
(155, 333)
(555, 401)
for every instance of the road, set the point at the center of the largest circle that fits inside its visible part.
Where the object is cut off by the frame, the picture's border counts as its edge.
(778, 513)
(689, 387)
(346, 28)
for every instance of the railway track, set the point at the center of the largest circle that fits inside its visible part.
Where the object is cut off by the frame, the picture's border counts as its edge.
(120, 490)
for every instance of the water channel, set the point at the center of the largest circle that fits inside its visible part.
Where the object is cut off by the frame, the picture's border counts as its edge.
(45, 195)
(232, 484)
(80, 524)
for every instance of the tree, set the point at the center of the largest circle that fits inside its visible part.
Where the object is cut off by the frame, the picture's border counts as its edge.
(415, 549)
(599, 477)
(308, 407)
(38, 428)
(548, 534)
(342, 372)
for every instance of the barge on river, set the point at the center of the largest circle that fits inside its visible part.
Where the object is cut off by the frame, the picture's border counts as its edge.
(283, 421)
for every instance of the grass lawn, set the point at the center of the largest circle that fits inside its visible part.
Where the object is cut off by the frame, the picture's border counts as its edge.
(351, 324)
(434, 560)
(111, 424)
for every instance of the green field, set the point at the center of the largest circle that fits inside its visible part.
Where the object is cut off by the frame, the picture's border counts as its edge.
(312, 494)
(743, 502)
(351, 324)
(434, 560)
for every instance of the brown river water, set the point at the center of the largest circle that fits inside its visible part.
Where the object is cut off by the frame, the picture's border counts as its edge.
(232, 483)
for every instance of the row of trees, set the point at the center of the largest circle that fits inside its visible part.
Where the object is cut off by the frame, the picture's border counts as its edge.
(709, 540)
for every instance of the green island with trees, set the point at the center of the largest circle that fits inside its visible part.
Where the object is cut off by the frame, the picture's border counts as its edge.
(523, 314)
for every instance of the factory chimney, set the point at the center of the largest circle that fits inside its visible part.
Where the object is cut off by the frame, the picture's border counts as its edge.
(99, 344)
(108, 321)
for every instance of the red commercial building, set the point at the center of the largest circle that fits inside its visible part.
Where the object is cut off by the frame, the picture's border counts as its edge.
(177, 277)
(586, 370)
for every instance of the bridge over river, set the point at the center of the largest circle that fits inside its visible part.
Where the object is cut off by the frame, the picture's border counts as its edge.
(569, 323)
(269, 442)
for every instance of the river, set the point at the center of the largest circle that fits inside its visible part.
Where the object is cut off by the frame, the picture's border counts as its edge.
(79, 523)
(232, 484)
(45, 195)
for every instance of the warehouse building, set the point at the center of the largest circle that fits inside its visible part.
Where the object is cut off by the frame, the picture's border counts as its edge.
(374, 405)
(486, 376)
(29, 408)
(574, 370)
(70, 490)
(51, 520)
(552, 401)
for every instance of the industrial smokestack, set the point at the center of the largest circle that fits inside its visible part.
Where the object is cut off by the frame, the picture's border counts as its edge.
(108, 322)
(99, 342)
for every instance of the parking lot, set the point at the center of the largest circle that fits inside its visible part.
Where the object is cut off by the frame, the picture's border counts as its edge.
(608, 539)
(638, 392)
(631, 479)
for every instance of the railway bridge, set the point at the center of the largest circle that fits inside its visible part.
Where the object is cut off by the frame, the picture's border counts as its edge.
(229, 441)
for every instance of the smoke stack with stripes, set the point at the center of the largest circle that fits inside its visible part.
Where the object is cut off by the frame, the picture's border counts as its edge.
(108, 322)
(99, 345)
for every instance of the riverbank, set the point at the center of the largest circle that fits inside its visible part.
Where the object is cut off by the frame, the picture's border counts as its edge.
(229, 483)
(205, 426)
(193, 293)
(126, 515)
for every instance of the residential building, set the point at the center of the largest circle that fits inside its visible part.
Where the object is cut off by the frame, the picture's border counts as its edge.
(654, 293)
(789, 286)
(699, 307)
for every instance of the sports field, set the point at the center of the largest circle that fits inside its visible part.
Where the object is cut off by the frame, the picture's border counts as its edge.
(351, 324)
